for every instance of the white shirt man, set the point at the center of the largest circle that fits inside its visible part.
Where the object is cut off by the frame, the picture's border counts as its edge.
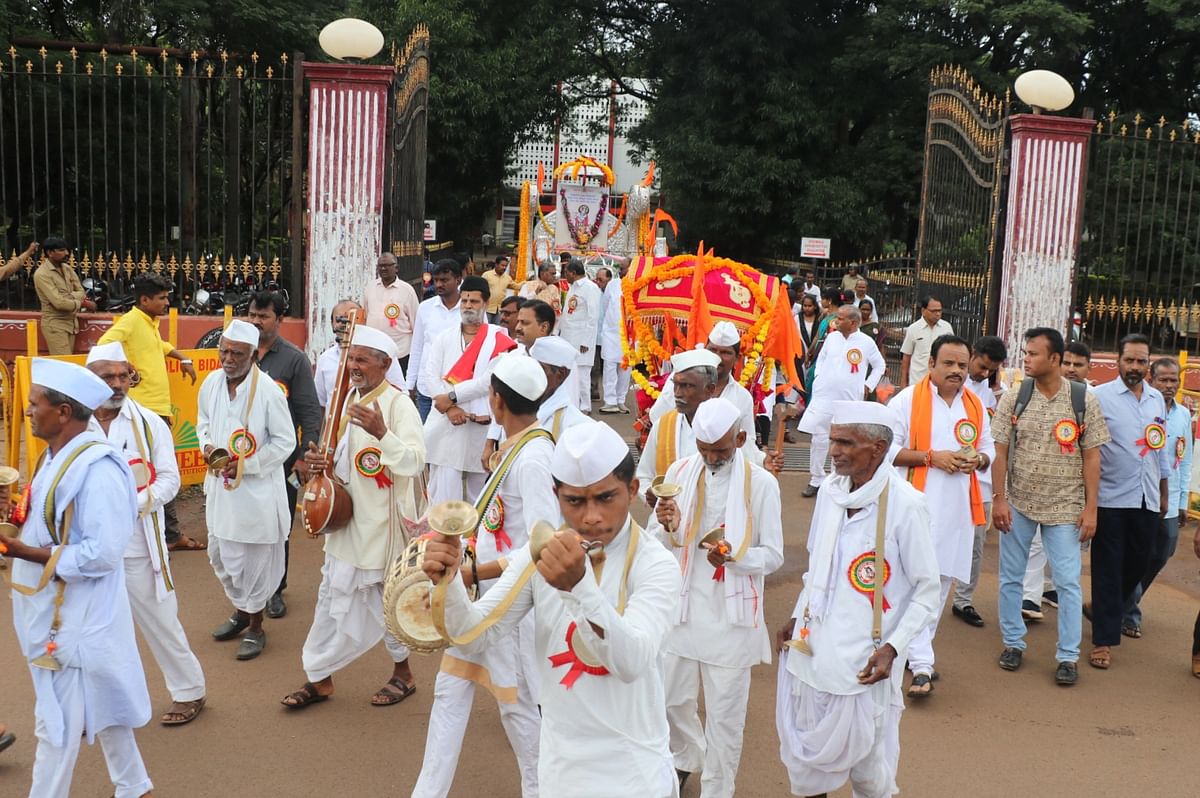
(433, 317)
(616, 378)
(598, 644)
(723, 336)
(943, 443)
(145, 441)
(719, 631)
(245, 507)
(378, 471)
(577, 326)
(848, 367)
(918, 339)
(838, 702)
(462, 371)
(518, 494)
(391, 305)
(73, 607)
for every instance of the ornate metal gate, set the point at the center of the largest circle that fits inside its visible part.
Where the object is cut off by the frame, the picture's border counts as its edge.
(961, 200)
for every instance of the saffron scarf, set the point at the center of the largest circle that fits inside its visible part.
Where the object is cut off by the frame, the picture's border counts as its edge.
(920, 434)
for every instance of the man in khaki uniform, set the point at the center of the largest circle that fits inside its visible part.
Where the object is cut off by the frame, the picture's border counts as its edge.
(61, 295)
(18, 262)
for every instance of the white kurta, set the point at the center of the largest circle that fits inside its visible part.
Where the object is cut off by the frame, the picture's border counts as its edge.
(148, 540)
(605, 735)
(685, 445)
(734, 393)
(577, 324)
(613, 321)
(458, 448)
(95, 642)
(326, 373)
(949, 494)
(562, 400)
(835, 378)
(823, 714)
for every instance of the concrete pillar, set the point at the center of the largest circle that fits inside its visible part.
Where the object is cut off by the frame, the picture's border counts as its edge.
(1047, 174)
(347, 132)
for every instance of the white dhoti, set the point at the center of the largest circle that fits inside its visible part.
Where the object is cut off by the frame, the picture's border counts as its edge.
(162, 631)
(448, 484)
(816, 422)
(347, 621)
(583, 380)
(715, 748)
(452, 699)
(826, 740)
(53, 765)
(920, 652)
(249, 572)
(616, 383)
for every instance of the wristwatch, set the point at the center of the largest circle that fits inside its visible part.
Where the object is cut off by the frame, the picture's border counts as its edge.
(453, 397)
(185, 361)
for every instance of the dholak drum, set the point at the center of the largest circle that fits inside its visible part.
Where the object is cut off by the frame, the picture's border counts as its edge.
(406, 602)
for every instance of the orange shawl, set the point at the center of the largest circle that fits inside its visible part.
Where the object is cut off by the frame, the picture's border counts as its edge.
(920, 433)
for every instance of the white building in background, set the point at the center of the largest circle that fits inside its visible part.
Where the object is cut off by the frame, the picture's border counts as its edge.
(597, 126)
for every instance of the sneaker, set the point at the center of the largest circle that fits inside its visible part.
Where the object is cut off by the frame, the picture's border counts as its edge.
(1050, 598)
(1010, 658)
(1066, 675)
(1031, 611)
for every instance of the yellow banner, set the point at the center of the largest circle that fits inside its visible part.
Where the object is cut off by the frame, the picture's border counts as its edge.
(183, 413)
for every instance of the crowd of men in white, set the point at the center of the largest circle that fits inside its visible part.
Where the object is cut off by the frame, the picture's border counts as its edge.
(609, 632)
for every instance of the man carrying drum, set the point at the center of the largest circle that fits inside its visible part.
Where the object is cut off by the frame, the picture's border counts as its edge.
(601, 618)
(380, 453)
(517, 495)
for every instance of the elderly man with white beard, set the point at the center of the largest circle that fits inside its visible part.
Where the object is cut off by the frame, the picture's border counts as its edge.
(729, 507)
(839, 701)
(241, 410)
(145, 441)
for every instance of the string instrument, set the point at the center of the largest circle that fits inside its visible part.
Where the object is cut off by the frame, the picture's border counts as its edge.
(325, 505)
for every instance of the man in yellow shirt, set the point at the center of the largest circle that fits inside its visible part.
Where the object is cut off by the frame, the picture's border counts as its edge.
(138, 333)
(499, 282)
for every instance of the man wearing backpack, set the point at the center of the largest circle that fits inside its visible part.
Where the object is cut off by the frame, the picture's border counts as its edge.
(1046, 475)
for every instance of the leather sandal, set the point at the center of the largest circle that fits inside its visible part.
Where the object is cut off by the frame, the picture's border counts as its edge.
(182, 712)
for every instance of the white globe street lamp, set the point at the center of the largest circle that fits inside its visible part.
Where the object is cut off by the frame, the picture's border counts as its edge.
(1044, 90)
(350, 39)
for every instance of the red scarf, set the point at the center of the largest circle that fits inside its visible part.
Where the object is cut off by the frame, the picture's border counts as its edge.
(920, 432)
(464, 369)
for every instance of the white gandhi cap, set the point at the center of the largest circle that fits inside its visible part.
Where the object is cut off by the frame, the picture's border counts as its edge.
(554, 351)
(724, 334)
(242, 332)
(521, 373)
(374, 339)
(714, 417)
(74, 381)
(587, 453)
(111, 351)
(694, 358)
(863, 412)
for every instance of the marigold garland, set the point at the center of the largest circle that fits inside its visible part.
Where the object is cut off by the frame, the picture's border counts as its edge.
(578, 164)
(523, 251)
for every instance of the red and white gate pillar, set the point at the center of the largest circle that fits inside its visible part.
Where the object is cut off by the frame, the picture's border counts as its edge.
(347, 134)
(1047, 175)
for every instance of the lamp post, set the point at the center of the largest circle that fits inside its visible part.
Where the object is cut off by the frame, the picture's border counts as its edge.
(347, 133)
(1047, 176)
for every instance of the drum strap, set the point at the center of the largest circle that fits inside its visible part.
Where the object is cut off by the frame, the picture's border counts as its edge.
(493, 484)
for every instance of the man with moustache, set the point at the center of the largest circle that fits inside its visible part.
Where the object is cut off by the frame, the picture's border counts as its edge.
(724, 342)
(290, 370)
(243, 412)
(391, 306)
(944, 443)
(329, 360)
(434, 315)
(380, 452)
(145, 441)
(508, 314)
(1135, 471)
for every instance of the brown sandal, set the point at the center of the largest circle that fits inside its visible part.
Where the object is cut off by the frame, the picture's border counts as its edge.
(1101, 657)
(387, 698)
(186, 543)
(182, 712)
(303, 697)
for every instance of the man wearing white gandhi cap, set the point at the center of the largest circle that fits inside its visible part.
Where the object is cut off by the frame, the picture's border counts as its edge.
(70, 609)
(601, 620)
(719, 631)
(379, 452)
(145, 442)
(559, 410)
(518, 493)
(693, 379)
(838, 700)
(724, 342)
(243, 413)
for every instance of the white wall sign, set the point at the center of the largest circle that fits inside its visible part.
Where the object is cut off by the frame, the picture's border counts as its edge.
(814, 248)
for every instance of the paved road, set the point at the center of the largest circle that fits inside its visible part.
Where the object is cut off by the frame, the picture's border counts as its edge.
(984, 732)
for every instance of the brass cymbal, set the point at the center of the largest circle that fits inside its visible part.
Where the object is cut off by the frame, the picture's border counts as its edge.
(218, 459)
(539, 535)
(9, 476)
(453, 518)
(663, 489)
(712, 537)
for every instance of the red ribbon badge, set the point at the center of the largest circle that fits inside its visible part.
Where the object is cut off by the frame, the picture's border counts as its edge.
(493, 521)
(1154, 437)
(854, 357)
(1180, 450)
(578, 666)
(369, 463)
(862, 576)
(392, 312)
(1066, 432)
(147, 469)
